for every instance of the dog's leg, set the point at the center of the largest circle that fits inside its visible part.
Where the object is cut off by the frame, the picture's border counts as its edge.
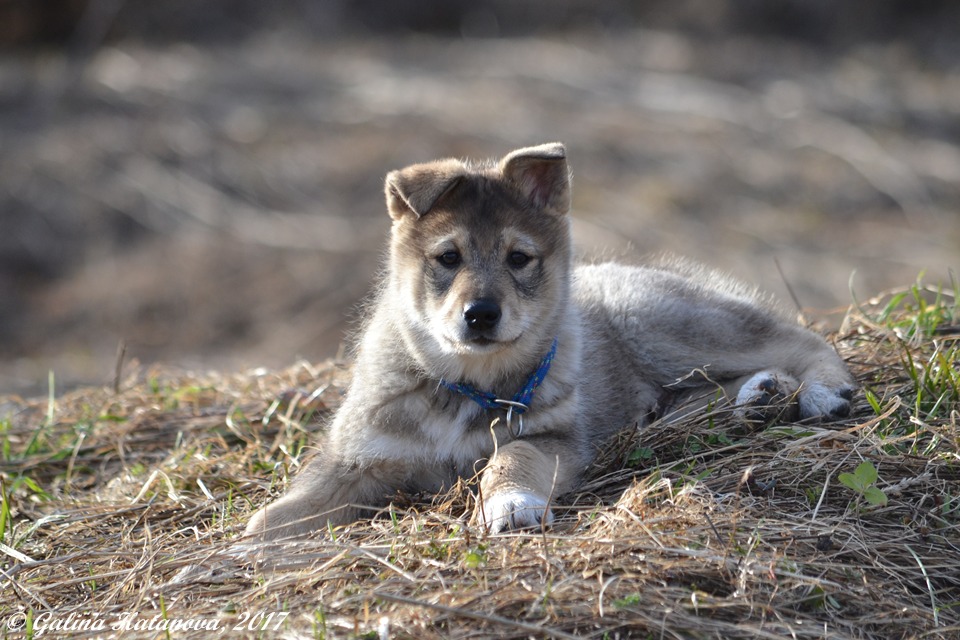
(812, 382)
(798, 376)
(795, 385)
(327, 492)
(761, 398)
(807, 381)
(521, 478)
(792, 373)
(807, 366)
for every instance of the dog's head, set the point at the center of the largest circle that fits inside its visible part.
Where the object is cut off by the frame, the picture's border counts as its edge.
(480, 261)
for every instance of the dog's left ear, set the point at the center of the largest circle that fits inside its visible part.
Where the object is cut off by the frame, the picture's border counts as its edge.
(418, 188)
(541, 176)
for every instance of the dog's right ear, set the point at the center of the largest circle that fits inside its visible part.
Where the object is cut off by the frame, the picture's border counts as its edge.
(418, 188)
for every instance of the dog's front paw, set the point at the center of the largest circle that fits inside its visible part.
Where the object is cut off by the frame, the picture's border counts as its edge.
(817, 400)
(511, 510)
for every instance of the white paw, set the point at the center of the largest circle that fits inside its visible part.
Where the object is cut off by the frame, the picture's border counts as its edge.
(820, 401)
(764, 387)
(515, 510)
(767, 397)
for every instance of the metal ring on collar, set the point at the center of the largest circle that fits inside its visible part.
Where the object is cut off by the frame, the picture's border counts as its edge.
(511, 405)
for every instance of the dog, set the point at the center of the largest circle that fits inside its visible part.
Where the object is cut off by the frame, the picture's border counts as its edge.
(486, 348)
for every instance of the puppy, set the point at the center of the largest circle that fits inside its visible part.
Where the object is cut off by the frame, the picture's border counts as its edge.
(485, 347)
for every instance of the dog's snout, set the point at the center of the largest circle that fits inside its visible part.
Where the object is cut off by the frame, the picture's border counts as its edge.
(482, 315)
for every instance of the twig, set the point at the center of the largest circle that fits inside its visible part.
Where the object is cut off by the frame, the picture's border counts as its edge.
(118, 367)
(553, 487)
(793, 294)
(13, 553)
(714, 527)
(400, 572)
(18, 585)
(926, 577)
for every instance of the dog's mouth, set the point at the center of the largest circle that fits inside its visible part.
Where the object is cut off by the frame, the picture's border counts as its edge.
(482, 344)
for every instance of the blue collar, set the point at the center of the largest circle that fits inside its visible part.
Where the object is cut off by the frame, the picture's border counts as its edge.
(521, 400)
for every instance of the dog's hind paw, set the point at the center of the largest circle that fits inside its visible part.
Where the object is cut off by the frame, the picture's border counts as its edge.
(512, 510)
(817, 400)
(767, 397)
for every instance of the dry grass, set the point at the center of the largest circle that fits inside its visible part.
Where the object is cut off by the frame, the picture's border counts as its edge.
(698, 529)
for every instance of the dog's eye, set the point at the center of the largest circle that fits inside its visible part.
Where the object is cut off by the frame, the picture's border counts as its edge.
(449, 258)
(518, 259)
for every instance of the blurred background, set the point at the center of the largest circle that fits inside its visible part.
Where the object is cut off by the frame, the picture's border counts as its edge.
(203, 180)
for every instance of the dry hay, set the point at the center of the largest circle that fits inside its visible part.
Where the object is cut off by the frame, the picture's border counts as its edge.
(696, 529)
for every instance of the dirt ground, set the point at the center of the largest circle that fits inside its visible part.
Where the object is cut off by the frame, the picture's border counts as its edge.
(217, 202)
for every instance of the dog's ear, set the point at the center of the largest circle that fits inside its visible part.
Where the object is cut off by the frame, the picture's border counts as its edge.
(418, 188)
(541, 176)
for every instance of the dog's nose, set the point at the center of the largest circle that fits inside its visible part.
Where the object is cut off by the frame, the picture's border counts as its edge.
(482, 315)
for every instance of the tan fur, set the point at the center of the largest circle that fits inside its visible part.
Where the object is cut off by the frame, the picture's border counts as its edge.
(479, 283)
